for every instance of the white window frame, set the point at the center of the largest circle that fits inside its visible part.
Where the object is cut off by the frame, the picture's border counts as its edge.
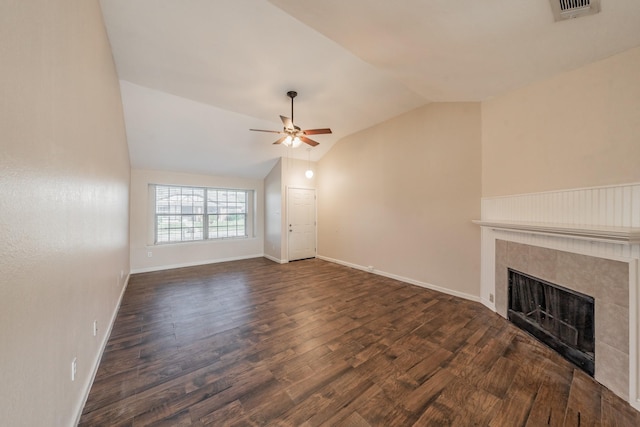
(205, 212)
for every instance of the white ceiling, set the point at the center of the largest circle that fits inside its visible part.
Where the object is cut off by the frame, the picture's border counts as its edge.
(197, 74)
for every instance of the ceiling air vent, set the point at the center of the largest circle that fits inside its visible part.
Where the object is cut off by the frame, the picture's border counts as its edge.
(569, 9)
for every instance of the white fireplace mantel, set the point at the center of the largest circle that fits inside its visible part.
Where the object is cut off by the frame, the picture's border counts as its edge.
(620, 235)
(556, 220)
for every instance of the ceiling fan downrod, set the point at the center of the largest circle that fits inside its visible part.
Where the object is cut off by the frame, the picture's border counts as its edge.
(292, 94)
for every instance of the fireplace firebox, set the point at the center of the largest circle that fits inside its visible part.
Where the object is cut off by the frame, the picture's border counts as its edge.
(560, 317)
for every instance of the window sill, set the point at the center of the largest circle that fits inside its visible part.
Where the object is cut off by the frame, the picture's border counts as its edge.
(200, 242)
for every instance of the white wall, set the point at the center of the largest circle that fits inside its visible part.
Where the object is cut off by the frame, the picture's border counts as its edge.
(64, 186)
(194, 253)
(400, 197)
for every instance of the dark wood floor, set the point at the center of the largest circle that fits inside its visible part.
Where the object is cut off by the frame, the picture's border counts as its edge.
(313, 343)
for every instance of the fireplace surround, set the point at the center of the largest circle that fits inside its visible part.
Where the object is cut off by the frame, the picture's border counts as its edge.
(604, 279)
(586, 239)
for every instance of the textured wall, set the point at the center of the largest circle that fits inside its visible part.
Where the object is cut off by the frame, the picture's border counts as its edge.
(64, 174)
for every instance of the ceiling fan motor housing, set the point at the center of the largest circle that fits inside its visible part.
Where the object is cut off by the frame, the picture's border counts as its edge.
(292, 132)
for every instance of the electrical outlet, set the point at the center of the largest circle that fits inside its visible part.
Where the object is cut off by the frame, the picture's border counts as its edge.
(490, 297)
(149, 254)
(95, 328)
(121, 274)
(74, 368)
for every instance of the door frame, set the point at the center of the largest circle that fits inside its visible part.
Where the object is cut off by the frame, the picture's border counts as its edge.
(285, 224)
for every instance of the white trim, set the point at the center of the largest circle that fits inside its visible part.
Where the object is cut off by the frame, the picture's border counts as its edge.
(315, 219)
(103, 346)
(490, 305)
(620, 235)
(598, 187)
(403, 279)
(193, 264)
(634, 337)
(218, 240)
(487, 276)
(274, 259)
(152, 215)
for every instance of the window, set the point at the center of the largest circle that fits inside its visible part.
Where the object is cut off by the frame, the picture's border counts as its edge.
(185, 214)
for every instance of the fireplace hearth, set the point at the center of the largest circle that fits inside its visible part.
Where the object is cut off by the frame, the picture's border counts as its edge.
(561, 318)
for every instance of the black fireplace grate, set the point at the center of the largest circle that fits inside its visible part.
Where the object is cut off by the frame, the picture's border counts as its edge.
(560, 317)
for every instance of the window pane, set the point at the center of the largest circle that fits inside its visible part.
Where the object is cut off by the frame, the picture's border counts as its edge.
(179, 213)
(227, 213)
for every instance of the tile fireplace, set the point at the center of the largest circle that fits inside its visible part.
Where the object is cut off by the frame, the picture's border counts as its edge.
(605, 281)
(586, 240)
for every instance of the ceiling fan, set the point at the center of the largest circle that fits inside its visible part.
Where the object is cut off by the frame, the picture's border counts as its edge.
(293, 136)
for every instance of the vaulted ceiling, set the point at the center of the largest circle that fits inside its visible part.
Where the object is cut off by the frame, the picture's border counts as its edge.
(197, 74)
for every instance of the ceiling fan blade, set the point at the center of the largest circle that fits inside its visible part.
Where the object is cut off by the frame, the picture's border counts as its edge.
(262, 130)
(286, 121)
(309, 141)
(316, 131)
(280, 141)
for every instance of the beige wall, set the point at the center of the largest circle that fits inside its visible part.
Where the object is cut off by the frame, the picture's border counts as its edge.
(401, 196)
(286, 173)
(64, 178)
(293, 173)
(185, 254)
(273, 214)
(577, 129)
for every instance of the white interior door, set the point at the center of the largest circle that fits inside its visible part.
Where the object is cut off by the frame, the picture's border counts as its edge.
(301, 217)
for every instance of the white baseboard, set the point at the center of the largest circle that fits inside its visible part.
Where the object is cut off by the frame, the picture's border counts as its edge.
(193, 264)
(103, 346)
(447, 291)
(274, 259)
(491, 306)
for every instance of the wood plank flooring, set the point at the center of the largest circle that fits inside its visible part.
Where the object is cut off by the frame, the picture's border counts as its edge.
(251, 343)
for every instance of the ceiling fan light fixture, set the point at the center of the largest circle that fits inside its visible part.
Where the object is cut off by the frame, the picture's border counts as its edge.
(295, 136)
